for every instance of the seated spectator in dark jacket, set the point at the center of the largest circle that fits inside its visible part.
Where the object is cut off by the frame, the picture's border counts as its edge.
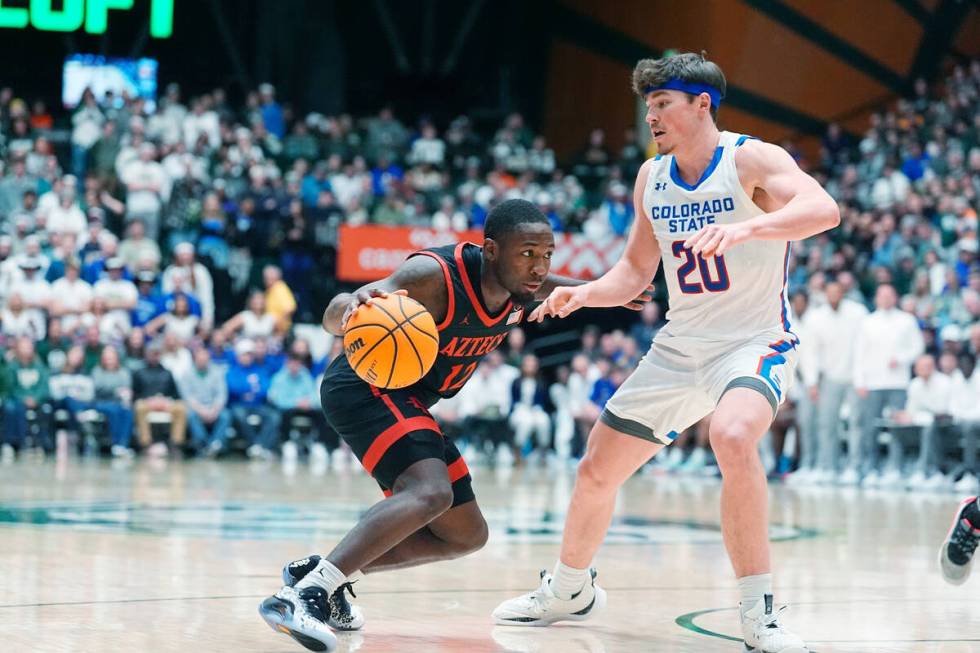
(25, 389)
(205, 391)
(529, 407)
(248, 385)
(154, 390)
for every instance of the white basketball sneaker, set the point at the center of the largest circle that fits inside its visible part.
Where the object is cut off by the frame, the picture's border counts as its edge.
(344, 615)
(762, 631)
(541, 607)
(301, 614)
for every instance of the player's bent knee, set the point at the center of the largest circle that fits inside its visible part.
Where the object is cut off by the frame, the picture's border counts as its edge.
(433, 498)
(474, 539)
(591, 478)
(732, 441)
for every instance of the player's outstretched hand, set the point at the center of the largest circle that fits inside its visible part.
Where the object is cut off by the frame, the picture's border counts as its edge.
(562, 301)
(645, 298)
(362, 297)
(716, 239)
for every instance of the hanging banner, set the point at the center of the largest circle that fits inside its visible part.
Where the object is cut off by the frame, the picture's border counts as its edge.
(370, 252)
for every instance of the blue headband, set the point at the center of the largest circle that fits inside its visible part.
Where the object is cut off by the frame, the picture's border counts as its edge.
(694, 88)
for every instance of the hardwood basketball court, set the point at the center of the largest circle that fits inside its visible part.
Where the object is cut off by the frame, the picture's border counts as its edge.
(175, 556)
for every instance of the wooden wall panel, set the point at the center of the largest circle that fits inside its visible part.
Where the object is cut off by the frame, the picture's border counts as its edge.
(878, 28)
(586, 90)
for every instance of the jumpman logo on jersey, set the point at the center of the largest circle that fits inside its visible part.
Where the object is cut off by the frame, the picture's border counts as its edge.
(466, 319)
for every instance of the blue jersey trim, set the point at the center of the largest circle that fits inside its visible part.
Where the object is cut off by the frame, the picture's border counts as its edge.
(676, 175)
(743, 138)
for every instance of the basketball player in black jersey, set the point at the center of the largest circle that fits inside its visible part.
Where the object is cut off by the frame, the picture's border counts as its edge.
(476, 295)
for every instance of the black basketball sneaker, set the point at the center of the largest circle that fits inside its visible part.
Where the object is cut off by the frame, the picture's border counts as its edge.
(960, 545)
(343, 614)
(301, 614)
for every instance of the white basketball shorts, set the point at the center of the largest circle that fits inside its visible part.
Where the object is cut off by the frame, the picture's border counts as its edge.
(681, 379)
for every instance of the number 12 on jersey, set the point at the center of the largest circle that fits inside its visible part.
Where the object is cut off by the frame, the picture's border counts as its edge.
(692, 264)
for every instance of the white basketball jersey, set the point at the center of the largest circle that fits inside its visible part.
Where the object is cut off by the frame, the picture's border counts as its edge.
(734, 296)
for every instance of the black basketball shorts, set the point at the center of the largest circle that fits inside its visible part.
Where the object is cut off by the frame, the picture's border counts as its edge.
(390, 430)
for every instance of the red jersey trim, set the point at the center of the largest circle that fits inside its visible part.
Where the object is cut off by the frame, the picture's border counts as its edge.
(481, 311)
(451, 301)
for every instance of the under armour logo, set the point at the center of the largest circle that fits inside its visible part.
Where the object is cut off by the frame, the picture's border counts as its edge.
(660, 185)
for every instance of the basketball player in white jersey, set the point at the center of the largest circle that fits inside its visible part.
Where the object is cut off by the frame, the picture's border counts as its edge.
(719, 210)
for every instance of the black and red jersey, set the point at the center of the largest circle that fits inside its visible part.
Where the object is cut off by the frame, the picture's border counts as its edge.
(467, 333)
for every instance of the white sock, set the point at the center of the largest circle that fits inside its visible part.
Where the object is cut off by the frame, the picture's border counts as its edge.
(751, 589)
(355, 576)
(568, 581)
(324, 575)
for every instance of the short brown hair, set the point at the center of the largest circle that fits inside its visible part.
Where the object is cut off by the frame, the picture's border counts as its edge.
(687, 67)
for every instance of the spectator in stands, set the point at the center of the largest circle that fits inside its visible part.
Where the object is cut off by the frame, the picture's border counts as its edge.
(188, 276)
(279, 300)
(888, 340)
(149, 301)
(119, 293)
(604, 386)
(221, 352)
(134, 351)
(178, 322)
(614, 216)
(147, 188)
(92, 345)
(484, 406)
(248, 386)
(529, 411)
(583, 376)
(71, 387)
(204, 390)
(87, 126)
(254, 322)
(927, 409)
(428, 148)
(176, 357)
(272, 115)
(515, 343)
(14, 184)
(293, 392)
(155, 390)
(34, 290)
(138, 249)
(71, 296)
(17, 321)
(832, 334)
(562, 417)
(94, 270)
(53, 349)
(644, 331)
(25, 389)
(964, 407)
(113, 398)
(66, 217)
(386, 138)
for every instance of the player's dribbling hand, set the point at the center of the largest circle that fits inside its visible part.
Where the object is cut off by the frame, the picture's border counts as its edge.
(716, 239)
(645, 298)
(362, 297)
(560, 303)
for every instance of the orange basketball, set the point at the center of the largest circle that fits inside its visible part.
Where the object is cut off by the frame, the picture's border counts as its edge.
(391, 342)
